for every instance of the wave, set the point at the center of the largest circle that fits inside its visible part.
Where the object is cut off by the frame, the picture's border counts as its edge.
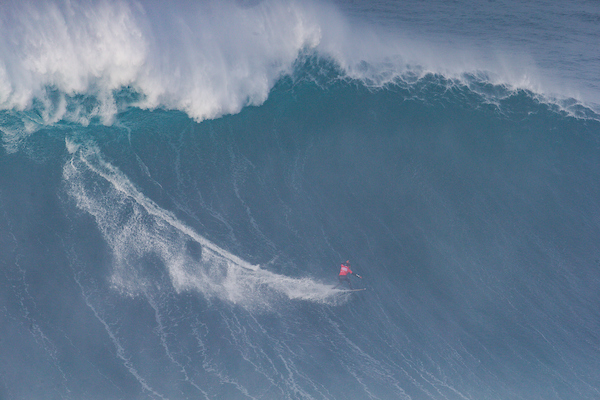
(207, 59)
(87, 60)
(467, 204)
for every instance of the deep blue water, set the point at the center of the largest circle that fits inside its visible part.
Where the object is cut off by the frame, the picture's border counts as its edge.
(179, 186)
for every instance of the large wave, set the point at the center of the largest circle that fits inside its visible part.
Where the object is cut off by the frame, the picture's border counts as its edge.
(206, 59)
(470, 209)
(85, 60)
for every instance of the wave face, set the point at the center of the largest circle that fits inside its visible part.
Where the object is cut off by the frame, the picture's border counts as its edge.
(173, 213)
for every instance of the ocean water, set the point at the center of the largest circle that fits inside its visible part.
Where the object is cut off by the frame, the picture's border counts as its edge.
(179, 184)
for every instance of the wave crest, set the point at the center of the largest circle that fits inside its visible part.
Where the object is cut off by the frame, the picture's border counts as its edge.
(88, 60)
(205, 59)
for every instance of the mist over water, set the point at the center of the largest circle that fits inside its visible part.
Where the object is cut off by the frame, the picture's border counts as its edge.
(207, 59)
(178, 187)
(73, 60)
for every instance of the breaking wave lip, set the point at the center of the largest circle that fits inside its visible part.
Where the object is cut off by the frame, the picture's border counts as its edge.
(136, 228)
(206, 59)
(88, 60)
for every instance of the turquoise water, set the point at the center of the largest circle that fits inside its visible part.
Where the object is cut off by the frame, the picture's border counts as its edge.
(179, 186)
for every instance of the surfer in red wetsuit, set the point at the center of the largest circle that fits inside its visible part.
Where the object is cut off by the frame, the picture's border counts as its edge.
(345, 273)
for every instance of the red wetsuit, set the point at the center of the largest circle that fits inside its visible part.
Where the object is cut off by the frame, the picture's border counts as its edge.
(343, 277)
(345, 270)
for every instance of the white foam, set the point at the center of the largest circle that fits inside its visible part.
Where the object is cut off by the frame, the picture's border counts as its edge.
(210, 58)
(207, 59)
(138, 230)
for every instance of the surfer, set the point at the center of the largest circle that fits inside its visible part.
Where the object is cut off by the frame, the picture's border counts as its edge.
(345, 271)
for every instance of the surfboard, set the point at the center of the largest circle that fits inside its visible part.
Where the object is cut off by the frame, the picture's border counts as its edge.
(349, 290)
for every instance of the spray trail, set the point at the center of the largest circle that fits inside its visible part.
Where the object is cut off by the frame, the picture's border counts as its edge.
(136, 229)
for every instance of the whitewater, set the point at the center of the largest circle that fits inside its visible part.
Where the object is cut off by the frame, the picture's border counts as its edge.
(179, 184)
